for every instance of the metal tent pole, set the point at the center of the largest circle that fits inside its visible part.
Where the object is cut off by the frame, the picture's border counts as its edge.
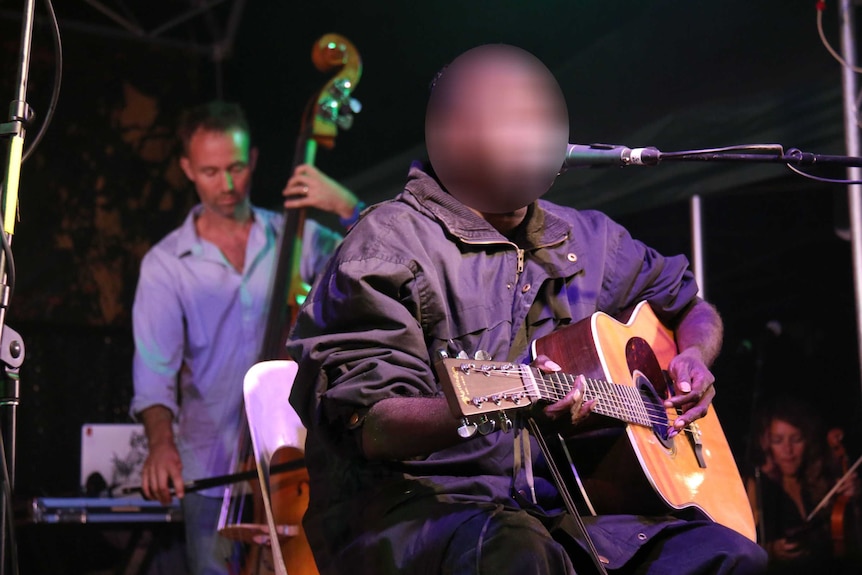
(851, 136)
(695, 210)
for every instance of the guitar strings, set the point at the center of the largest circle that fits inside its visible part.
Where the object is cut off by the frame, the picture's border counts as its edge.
(657, 414)
(550, 389)
(613, 403)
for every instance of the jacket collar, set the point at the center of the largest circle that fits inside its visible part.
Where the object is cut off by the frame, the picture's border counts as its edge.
(543, 228)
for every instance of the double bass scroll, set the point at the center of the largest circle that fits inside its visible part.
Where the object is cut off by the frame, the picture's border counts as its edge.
(332, 108)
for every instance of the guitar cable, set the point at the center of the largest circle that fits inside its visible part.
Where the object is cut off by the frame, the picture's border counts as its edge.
(8, 510)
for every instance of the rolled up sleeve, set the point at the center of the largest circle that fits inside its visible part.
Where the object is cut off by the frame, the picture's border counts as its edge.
(157, 322)
(359, 340)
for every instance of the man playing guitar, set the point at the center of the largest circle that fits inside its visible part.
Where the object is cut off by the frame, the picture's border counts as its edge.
(467, 261)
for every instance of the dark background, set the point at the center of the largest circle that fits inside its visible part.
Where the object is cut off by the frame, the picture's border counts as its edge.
(104, 184)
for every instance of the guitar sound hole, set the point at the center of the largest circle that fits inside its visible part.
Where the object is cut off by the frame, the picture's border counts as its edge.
(655, 408)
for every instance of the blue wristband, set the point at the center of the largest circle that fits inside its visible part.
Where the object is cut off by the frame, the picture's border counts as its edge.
(354, 217)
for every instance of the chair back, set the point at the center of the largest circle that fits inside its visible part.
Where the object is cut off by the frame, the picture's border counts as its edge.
(273, 424)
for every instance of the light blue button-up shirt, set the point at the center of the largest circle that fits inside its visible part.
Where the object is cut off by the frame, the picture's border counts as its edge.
(198, 327)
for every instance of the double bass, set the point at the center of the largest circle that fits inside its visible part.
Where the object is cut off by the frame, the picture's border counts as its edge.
(327, 111)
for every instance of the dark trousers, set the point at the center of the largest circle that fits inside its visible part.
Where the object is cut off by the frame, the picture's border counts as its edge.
(516, 542)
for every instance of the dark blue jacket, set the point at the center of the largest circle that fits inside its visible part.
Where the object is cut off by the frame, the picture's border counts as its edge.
(423, 273)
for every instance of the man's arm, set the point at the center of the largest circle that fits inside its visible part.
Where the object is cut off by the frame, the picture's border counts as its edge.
(701, 328)
(157, 326)
(163, 460)
(308, 187)
(699, 336)
(399, 428)
(361, 350)
(404, 427)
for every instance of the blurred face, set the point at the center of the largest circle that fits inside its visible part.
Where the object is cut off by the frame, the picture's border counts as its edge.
(786, 445)
(220, 165)
(496, 128)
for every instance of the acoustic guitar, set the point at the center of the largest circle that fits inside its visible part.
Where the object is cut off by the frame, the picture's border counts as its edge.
(621, 459)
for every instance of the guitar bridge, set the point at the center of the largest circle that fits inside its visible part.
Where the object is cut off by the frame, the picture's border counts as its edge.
(696, 438)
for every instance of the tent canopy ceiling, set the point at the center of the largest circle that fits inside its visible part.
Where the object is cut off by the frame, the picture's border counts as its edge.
(205, 26)
(664, 73)
(675, 75)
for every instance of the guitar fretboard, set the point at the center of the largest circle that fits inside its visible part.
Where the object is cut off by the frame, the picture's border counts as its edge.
(615, 400)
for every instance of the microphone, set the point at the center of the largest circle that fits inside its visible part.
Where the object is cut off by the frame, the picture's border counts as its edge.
(601, 155)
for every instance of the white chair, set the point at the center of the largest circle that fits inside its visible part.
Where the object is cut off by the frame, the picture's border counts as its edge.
(273, 424)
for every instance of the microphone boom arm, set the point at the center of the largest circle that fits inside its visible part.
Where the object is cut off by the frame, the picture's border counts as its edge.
(598, 155)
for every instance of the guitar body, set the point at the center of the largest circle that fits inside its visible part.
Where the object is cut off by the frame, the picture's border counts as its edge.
(627, 468)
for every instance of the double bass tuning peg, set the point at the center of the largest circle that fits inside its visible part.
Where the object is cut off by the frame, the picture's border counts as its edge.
(340, 92)
(334, 110)
(344, 120)
(341, 88)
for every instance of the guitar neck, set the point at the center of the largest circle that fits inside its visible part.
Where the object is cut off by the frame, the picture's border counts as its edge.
(475, 389)
(622, 402)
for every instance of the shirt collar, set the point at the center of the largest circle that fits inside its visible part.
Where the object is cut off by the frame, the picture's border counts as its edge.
(188, 241)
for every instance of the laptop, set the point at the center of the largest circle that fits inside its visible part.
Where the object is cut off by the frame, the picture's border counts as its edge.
(112, 456)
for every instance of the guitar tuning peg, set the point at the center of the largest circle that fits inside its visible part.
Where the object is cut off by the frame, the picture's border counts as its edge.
(462, 355)
(354, 105)
(486, 426)
(482, 356)
(506, 424)
(467, 429)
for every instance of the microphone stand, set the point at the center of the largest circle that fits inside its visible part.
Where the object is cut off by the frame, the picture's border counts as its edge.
(610, 155)
(768, 153)
(11, 345)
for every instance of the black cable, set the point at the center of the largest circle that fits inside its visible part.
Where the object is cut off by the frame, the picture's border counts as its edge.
(58, 74)
(10, 259)
(773, 148)
(7, 495)
(822, 179)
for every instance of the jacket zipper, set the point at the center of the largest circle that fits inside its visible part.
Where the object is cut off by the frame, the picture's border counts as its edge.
(518, 251)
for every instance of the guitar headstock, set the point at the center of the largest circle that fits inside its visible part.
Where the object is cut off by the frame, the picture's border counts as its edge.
(476, 388)
(333, 107)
